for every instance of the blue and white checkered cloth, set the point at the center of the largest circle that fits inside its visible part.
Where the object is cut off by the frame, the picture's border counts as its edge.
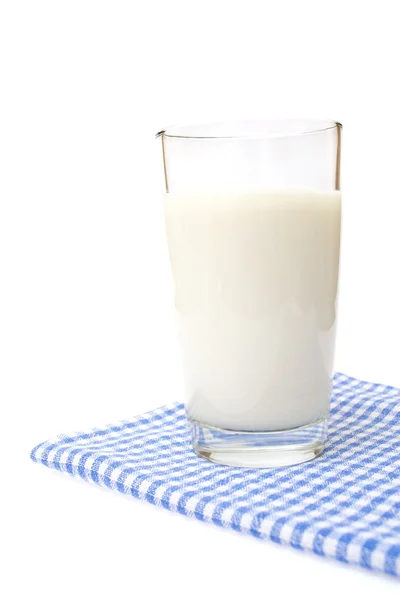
(344, 505)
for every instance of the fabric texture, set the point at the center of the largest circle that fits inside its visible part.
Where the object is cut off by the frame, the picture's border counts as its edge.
(345, 504)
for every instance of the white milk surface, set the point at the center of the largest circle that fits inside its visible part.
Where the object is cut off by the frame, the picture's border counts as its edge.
(256, 279)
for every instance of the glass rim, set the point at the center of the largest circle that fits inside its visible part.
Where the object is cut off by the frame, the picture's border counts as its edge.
(261, 129)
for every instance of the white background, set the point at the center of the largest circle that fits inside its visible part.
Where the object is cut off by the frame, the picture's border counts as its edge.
(87, 327)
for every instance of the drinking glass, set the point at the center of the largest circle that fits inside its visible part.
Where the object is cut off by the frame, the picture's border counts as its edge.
(253, 215)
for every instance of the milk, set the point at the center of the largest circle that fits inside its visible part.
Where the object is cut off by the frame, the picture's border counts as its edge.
(256, 279)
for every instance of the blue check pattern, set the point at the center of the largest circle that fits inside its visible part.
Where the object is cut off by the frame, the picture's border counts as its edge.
(344, 505)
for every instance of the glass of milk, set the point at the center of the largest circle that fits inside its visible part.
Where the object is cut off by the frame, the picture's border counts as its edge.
(253, 213)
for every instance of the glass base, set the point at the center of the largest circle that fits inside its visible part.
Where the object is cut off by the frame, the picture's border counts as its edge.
(259, 449)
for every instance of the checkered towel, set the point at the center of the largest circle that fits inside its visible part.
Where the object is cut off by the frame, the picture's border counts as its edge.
(344, 504)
